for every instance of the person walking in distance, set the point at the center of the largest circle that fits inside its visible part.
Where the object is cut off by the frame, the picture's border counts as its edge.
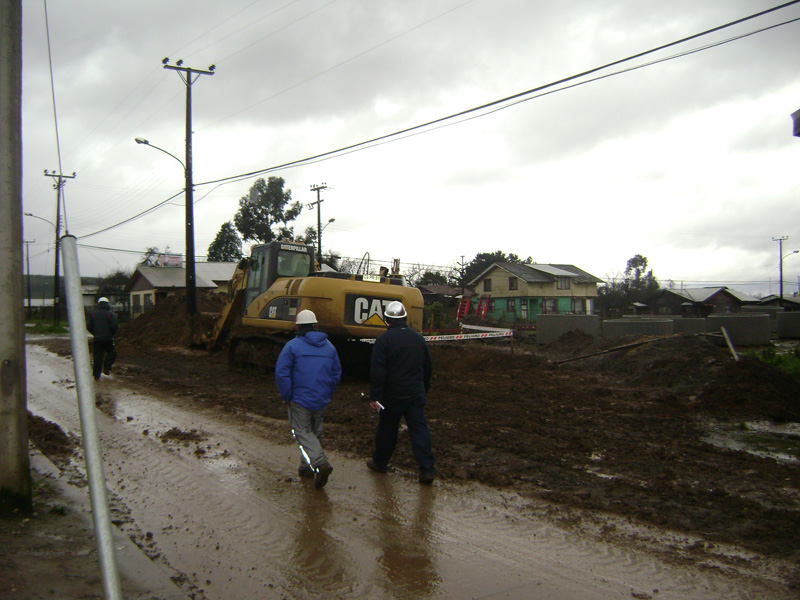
(102, 324)
(307, 373)
(400, 376)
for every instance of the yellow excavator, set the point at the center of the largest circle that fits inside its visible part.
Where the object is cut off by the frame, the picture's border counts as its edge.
(280, 279)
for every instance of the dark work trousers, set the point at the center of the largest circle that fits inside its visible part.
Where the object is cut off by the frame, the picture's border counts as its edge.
(413, 410)
(104, 356)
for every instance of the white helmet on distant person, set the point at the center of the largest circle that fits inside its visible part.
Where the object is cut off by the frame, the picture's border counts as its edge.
(305, 317)
(103, 299)
(395, 310)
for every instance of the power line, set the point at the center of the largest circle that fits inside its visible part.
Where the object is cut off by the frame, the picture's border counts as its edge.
(508, 98)
(494, 105)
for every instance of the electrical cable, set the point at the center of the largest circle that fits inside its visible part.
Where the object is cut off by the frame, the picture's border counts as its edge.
(494, 106)
(494, 103)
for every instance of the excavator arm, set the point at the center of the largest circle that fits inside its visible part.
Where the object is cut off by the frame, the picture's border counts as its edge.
(232, 306)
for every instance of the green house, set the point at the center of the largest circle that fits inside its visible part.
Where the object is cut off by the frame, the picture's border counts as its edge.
(522, 291)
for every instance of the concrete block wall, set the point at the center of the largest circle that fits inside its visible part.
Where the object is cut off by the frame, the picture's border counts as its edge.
(619, 327)
(788, 325)
(551, 327)
(743, 329)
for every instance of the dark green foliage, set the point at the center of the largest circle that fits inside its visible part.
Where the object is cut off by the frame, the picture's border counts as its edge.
(637, 285)
(265, 213)
(227, 246)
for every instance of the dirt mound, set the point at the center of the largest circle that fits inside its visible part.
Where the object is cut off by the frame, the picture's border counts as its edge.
(166, 324)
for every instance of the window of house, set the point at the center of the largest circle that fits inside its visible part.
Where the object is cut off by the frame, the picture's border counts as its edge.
(512, 283)
(510, 307)
(491, 306)
(487, 285)
(562, 283)
(579, 306)
(524, 308)
(549, 306)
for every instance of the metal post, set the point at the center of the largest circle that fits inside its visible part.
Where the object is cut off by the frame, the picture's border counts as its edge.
(15, 479)
(84, 383)
(28, 273)
(191, 283)
(318, 203)
(780, 266)
(60, 182)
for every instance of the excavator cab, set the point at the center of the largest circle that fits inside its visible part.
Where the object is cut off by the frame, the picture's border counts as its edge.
(268, 262)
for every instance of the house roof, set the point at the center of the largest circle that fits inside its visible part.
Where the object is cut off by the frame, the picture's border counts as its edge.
(702, 294)
(207, 275)
(541, 273)
(440, 290)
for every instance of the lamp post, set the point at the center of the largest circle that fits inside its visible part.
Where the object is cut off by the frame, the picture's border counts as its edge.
(780, 266)
(191, 288)
(318, 203)
(56, 291)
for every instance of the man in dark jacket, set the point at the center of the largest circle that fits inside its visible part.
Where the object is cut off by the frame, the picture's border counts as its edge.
(102, 324)
(307, 373)
(400, 376)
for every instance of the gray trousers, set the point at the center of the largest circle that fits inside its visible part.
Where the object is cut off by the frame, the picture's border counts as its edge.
(307, 428)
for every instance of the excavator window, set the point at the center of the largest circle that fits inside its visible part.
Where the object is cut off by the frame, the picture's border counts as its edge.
(293, 264)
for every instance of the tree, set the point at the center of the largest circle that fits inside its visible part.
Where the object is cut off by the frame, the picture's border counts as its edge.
(267, 206)
(227, 246)
(112, 286)
(483, 260)
(637, 285)
(432, 278)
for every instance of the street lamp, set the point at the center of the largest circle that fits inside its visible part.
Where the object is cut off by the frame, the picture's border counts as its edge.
(781, 272)
(191, 288)
(56, 282)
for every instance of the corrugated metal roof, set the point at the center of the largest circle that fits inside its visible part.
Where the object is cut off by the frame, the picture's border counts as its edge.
(552, 270)
(206, 275)
(541, 273)
(704, 293)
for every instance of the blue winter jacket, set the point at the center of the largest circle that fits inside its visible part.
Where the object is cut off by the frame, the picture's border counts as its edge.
(308, 370)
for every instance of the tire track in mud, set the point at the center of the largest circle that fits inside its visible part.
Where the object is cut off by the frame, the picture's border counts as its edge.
(235, 521)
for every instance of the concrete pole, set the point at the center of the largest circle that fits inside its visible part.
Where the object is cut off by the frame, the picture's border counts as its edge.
(84, 383)
(15, 480)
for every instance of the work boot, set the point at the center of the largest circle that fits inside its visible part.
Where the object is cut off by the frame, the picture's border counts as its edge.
(107, 371)
(305, 472)
(373, 466)
(427, 477)
(321, 477)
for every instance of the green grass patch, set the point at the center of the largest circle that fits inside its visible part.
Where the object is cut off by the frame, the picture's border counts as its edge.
(788, 362)
(42, 326)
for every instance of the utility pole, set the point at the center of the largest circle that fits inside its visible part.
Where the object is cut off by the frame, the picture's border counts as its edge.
(28, 272)
(780, 265)
(15, 475)
(189, 76)
(58, 186)
(318, 188)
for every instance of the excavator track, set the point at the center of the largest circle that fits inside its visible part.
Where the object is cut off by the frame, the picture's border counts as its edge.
(258, 351)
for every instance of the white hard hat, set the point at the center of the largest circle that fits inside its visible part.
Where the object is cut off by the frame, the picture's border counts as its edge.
(395, 310)
(103, 299)
(305, 317)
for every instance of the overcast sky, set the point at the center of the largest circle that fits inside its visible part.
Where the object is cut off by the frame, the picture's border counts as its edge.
(689, 162)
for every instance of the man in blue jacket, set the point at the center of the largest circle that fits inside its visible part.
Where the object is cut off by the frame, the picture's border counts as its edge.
(307, 373)
(102, 324)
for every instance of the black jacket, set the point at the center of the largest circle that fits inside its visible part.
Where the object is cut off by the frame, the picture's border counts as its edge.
(102, 323)
(401, 365)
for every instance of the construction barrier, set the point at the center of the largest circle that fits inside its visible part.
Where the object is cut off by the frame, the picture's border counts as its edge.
(486, 332)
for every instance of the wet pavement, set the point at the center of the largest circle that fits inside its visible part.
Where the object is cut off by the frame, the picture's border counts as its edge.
(222, 512)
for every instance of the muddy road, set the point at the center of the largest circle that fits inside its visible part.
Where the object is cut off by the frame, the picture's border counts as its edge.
(203, 478)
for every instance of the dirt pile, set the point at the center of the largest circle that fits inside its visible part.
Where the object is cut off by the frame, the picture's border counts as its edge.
(624, 431)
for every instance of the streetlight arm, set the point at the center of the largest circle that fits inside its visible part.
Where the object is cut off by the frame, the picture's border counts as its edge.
(40, 218)
(139, 140)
